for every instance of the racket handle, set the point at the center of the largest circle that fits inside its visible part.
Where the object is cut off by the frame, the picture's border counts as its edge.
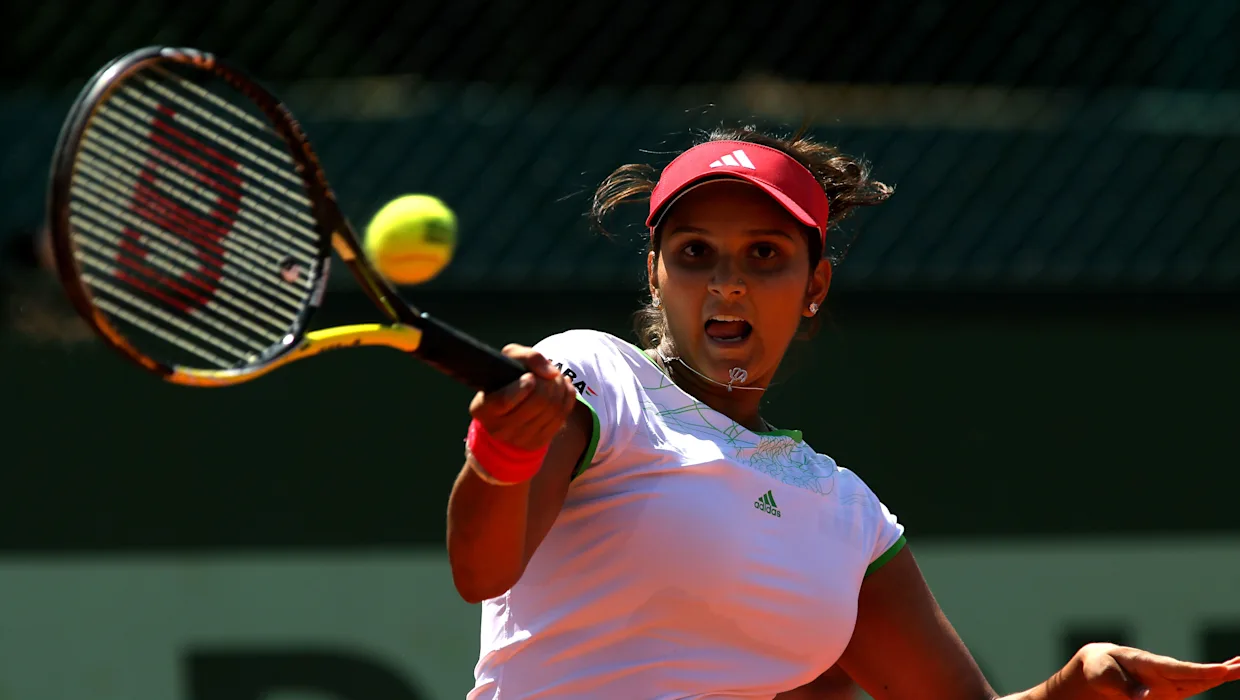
(465, 359)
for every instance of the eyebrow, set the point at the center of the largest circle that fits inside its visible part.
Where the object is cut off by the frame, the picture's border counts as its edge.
(752, 231)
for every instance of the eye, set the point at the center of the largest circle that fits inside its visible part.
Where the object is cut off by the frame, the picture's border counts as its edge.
(694, 249)
(765, 251)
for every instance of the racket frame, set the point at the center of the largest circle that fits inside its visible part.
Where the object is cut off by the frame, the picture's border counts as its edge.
(452, 352)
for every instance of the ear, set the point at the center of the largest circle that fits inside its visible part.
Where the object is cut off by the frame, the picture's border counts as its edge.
(651, 275)
(819, 283)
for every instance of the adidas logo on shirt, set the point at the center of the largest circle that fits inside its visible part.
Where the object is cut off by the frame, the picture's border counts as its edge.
(736, 159)
(766, 504)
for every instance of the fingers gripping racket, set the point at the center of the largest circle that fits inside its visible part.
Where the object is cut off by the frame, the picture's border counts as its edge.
(193, 229)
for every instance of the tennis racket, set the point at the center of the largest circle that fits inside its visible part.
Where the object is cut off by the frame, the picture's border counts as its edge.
(193, 229)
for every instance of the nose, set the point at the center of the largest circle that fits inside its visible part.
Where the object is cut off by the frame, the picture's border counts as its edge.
(727, 280)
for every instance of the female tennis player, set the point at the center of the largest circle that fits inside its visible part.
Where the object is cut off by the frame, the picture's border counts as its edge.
(635, 529)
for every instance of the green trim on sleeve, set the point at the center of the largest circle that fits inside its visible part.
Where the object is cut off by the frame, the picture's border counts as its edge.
(886, 556)
(592, 446)
(794, 434)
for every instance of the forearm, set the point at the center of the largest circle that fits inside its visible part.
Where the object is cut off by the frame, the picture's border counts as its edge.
(486, 535)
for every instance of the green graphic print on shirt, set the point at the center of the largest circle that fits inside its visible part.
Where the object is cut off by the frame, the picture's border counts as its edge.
(780, 454)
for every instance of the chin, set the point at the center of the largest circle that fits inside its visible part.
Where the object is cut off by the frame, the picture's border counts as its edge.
(721, 358)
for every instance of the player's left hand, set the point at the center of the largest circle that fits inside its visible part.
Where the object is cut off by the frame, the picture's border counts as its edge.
(1113, 671)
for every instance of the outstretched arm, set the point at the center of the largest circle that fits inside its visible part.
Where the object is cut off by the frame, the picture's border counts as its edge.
(1110, 671)
(904, 648)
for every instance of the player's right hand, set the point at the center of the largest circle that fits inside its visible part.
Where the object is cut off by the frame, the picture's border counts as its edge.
(529, 412)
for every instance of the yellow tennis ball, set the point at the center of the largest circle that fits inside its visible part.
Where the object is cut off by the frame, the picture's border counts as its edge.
(411, 239)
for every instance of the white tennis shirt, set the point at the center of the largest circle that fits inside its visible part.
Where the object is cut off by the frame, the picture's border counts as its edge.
(692, 559)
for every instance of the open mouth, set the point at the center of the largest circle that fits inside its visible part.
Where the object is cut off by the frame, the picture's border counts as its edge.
(728, 329)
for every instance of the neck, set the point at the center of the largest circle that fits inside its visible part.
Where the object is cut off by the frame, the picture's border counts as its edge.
(740, 402)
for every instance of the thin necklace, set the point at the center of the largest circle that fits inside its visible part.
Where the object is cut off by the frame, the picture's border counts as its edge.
(736, 374)
(766, 426)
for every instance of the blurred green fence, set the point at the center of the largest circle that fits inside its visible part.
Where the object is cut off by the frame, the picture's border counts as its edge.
(1033, 144)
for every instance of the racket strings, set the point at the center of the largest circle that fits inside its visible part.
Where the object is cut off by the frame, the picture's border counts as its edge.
(172, 166)
(101, 188)
(274, 323)
(196, 283)
(169, 139)
(191, 223)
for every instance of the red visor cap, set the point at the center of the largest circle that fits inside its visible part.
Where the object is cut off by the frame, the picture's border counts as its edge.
(776, 173)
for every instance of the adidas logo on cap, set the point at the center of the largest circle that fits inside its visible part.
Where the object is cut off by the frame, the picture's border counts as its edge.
(736, 159)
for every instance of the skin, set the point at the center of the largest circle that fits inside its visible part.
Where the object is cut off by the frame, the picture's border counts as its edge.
(728, 249)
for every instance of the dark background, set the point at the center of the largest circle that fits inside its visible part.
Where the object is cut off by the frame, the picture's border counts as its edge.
(1038, 332)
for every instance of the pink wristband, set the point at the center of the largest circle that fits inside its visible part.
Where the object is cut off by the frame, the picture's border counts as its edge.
(498, 462)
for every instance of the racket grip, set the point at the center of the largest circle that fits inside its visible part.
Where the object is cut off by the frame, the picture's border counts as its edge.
(465, 359)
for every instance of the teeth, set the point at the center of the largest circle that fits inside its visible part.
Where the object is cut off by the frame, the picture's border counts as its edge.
(725, 318)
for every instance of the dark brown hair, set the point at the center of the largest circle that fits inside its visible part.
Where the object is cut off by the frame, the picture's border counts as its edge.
(846, 181)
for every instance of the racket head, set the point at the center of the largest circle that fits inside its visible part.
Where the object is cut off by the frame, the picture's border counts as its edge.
(191, 223)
